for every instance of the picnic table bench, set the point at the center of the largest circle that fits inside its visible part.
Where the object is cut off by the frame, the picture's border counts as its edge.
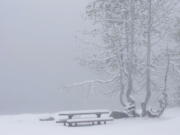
(92, 121)
(74, 121)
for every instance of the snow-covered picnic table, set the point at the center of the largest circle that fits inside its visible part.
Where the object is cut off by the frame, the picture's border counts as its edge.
(92, 120)
(70, 114)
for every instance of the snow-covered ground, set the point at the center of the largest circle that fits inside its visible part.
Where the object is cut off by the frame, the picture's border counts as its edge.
(29, 124)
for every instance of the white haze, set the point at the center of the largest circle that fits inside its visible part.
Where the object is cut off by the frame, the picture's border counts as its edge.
(37, 55)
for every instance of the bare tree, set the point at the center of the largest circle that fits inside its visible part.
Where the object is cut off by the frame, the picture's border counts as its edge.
(126, 28)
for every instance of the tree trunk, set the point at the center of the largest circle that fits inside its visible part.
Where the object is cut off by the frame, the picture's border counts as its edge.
(121, 95)
(148, 61)
(131, 54)
(167, 71)
(164, 101)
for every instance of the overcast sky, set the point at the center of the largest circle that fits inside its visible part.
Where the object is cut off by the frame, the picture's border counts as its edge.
(37, 54)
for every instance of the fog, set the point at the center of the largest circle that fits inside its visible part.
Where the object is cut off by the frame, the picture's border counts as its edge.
(38, 52)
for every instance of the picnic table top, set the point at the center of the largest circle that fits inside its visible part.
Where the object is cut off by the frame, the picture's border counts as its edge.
(90, 119)
(81, 112)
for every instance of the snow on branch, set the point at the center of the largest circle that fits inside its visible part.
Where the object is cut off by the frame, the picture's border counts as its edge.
(91, 82)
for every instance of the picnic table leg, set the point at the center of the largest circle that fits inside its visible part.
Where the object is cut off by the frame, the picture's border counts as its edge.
(70, 124)
(70, 116)
(98, 116)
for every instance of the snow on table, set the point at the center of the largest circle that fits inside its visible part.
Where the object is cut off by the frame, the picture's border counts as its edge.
(83, 112)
